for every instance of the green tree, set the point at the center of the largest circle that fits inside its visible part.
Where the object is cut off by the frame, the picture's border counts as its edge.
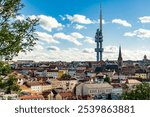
(65, 77)
(11, 85)
(140, 92)
(4, 68)
(107, 79)
(15, 35)
(1, 83)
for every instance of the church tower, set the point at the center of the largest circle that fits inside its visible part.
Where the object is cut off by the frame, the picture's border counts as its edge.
(120, 60)
(99, 38)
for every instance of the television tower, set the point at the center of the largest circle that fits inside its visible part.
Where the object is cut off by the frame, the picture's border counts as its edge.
(99, 38)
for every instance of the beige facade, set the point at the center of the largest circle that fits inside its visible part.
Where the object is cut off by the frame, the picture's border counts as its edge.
(93, 89)
(68, 85)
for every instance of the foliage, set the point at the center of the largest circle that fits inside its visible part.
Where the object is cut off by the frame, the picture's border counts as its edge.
(107, 79)
(15, 35)
(4, 68)
(10, 82)
(11, 85)
(1, 83)
(65, 77)
(141, 92)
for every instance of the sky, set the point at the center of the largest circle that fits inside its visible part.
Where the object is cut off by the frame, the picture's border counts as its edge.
(67, 28)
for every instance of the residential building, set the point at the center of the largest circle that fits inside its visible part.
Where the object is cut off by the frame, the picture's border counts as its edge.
(39, 86)
(93, 89)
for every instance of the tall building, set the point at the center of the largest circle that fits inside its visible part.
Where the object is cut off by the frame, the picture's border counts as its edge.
(99, 38)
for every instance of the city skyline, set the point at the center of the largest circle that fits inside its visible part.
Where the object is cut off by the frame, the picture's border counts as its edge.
(67, 29)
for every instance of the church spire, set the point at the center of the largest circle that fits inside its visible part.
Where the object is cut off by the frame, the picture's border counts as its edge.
(120, 54)
(120, 60)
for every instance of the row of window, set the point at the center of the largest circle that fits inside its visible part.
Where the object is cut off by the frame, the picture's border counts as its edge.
(93, 91)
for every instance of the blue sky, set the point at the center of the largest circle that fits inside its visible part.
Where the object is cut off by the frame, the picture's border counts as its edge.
(67, 29)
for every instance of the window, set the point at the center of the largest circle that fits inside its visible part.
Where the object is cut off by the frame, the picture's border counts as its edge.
(99, 91)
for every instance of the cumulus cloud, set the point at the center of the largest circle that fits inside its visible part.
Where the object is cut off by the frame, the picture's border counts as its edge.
(87, 54)
(53, 48)
(121, 22)
(77, 35)
(38, 47)
(88, 50)
(73, 49)
(89, 40)
(72, 37)
(141, 33)
(79, 27)
(144, 19)
(45, 37)
(20, 17)
(79, 19)
(110, 49)
(48, 23)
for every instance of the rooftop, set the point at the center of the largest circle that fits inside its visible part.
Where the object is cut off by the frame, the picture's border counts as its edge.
(101, 85)
(30, 97)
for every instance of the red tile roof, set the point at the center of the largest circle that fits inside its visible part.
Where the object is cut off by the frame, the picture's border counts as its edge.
(32, 97)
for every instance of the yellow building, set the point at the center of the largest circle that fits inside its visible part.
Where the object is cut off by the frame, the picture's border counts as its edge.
(141, 75)
(61, 72)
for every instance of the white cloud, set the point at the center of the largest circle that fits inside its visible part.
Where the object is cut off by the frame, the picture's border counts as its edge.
(38, 47)
(110, 49)
(121, 22)
(20, 17)
(73, 49)
(87, 54)
(144, 19)
(141, 33)
(45, 37)
(79, 19)
(88, 50)
(89, 40)
(32, 17)
(48, 23)
(79, 27)
(53, 48)
(72, 37)
(77, 35)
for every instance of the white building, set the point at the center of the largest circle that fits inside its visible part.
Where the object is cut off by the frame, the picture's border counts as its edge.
(39, 87)
(123, 77)
(93, 89)
(68, 85)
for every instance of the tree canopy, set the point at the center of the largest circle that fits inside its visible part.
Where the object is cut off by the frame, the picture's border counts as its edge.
(140, 92)
(107, 79)
(4, 68)
(8, 82)
(9, 85)
(15, 35)
(65, 77)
